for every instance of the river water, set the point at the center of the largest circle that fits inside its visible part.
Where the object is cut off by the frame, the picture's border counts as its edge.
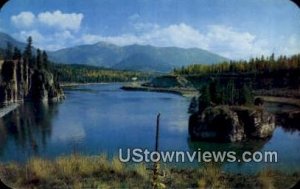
(102, 118)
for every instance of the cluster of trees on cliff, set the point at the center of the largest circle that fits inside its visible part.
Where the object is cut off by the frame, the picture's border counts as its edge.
(254, 65)
(66, 72)
(38, 59)
(84, 73)
(217, 93)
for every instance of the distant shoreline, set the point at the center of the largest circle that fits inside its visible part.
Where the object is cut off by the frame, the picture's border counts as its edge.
(186, 92)
(79, 84)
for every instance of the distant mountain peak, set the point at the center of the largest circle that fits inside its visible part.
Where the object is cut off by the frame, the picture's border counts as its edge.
(135, 57)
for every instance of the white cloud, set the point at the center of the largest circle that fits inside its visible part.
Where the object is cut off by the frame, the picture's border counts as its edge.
(220, 39)
(180, 35)
(234, 44)
(62, 30)
(64, 21)
(134, 17)
(23, 19)
(53, 41)
(58, 33)
(224, 40)
(36, 35)
(292, 46)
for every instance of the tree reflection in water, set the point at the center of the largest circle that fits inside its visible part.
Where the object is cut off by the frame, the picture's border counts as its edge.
(28, 127)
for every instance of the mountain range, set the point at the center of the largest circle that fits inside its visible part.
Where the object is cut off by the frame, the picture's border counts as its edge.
(131, 57)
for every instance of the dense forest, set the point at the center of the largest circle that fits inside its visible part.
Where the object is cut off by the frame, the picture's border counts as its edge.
(73, 72)
(254, 65)
(268, 76)
(83, 74)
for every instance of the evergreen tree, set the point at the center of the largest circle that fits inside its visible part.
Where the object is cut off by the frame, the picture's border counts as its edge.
(8, 51)
(28, 57)
(230, 93)
(39, 59)
(204, 98)
(17, 54)
(45, 59)
(246, 96)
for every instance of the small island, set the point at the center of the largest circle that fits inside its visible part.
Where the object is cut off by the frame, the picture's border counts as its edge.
(227, 99)
(229, 113)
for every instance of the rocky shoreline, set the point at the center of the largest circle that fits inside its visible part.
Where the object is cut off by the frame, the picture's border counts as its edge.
(231, 124)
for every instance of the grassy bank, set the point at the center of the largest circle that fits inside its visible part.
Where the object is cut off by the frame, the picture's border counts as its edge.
(76, 171)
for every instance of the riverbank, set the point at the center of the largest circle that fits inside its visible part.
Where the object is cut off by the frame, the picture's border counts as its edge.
(78, 84)
(76, 171)
(7, 109)
(187, 92)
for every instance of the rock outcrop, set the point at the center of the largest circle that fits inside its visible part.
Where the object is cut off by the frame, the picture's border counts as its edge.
(231, 124)
(19, 82)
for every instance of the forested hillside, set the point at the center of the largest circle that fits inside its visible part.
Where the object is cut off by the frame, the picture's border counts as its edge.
(260, 73)
(84, 74)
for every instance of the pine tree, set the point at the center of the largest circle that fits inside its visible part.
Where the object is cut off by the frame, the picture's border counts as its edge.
(8, 51)
(45, 59)
(246, 96)
(17, 54)
(28, 57)
(205, 98)
(39, 59)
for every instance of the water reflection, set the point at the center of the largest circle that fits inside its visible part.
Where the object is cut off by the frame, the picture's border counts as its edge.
(102, 118)
(29, 127)
(239, 147)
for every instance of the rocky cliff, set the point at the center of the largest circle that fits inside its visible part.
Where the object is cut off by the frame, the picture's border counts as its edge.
(231, 123)
(19, 81)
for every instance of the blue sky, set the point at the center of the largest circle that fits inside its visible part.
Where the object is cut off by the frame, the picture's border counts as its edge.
(237, 29)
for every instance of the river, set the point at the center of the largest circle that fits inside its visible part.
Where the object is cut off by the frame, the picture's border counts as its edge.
(102, 118)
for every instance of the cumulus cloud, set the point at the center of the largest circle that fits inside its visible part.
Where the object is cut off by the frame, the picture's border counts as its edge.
(234, 44)
(49, 30)
(55, 19)
(180, 35)
(61, 20)
(293, 45)
(220, 39)
(36, 35)
(54, 30)
(53, 41)
(23, 19)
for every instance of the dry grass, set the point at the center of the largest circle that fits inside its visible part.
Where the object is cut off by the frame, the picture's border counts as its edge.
(142, 171)
(211, 177)
(117, 165)
(266, 179)
(76, 171)
(40, 168)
